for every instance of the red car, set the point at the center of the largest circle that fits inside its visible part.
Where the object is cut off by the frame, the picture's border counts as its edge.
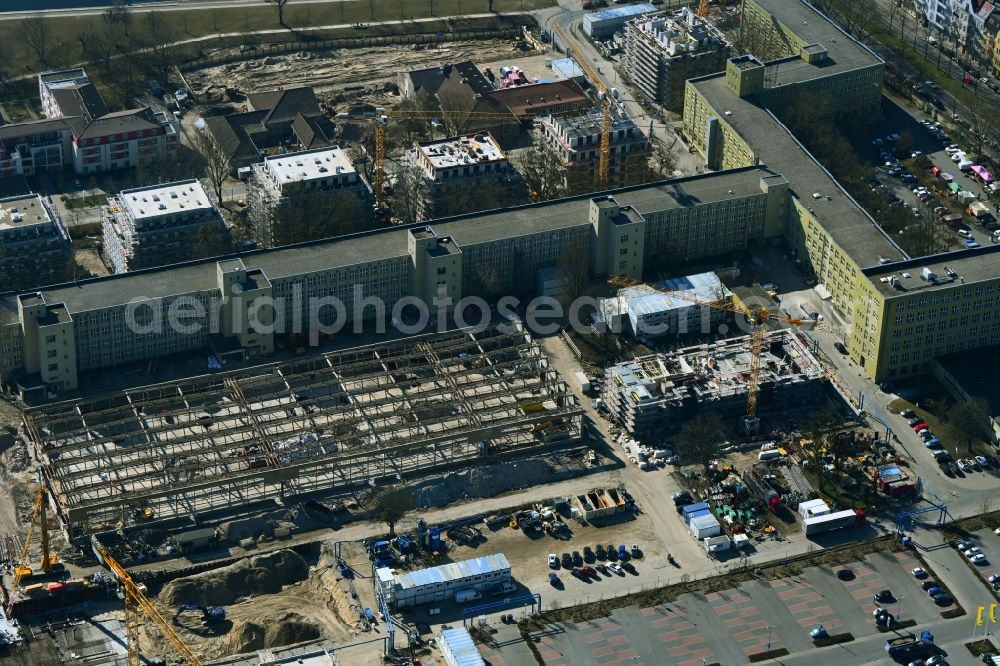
(920, 426)
(589, 571)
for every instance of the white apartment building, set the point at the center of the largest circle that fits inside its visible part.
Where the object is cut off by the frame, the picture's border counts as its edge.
(663, 50)
(577, 138)
(304, 179)
(159, 225)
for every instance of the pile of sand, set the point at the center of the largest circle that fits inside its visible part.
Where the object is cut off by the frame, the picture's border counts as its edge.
(285, 629)
(264, 574)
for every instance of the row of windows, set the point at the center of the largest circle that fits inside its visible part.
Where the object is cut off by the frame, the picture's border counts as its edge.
(945, 297)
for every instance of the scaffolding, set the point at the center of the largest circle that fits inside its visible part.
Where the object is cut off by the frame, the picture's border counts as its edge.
(230, 444)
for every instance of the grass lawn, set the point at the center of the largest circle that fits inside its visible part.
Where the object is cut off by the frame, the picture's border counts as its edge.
(933, 407)
(64, 31)
(86, 202)
(16, 112)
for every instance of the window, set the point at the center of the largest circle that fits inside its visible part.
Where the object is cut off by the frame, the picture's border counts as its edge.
(50, 338)
(52, 353)
(442, 270)
(53, 367)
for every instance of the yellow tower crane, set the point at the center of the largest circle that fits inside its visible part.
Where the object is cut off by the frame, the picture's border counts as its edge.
(136, 602)
(604, 95)
(756, 316)
(704, 8)
(38, 516)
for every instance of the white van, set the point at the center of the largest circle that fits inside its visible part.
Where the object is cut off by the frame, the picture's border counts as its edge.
(965, 233)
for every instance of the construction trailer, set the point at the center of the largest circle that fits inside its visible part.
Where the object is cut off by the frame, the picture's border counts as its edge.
(254, 439)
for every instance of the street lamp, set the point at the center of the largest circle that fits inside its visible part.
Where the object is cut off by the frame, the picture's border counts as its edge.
(898, 608)
(769, 628)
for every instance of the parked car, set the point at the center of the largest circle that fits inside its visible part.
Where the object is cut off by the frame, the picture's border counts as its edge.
(839, 346)
(919, 572)
(882, 596)
(943, 599)
(928, 584)
(964, 545)
(983, 462)
(933, 591)
(554, 580)
(577, 559)
(965, 465)
(908, 414)
(567, 561)
(914, 420)
(979, 559)
(615, 567)
(932, 443)
(588, 554)
(919, 426)
(972, 552)
(553, 561)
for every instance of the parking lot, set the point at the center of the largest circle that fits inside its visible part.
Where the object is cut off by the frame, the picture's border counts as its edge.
(729, 626)
(918, 169)
(988, 543)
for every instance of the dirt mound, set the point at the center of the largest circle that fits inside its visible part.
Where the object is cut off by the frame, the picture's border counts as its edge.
(263, 574)
(287, 629)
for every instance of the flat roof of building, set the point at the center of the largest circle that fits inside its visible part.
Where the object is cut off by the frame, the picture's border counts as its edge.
(812, 27)
(453, 571)
(168, 199)
(701, 286)
(461, 646)
(309, 165)
(587, 123)
(848, 224)
(113, 290)
(948, 269)
(459, 150)
(23, 211)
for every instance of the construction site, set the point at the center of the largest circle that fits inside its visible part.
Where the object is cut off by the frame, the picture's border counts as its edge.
(652, 394)
(215, 447)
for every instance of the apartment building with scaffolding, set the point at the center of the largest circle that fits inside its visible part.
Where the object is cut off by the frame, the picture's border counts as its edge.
(456, 166)
(35, 247)
(651, 395)
(160, 225)
(576, 137)
(665, 49)
(292, 189)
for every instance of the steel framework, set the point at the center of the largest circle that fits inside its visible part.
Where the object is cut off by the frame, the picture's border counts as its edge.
(328, 424)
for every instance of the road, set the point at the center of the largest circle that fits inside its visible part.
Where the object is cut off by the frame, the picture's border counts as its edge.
(18, 9)
(688, 162)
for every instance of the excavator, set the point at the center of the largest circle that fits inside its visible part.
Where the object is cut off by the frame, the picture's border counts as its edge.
(209, 614)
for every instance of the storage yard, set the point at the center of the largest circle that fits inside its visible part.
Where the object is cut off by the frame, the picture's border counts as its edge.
(237, 444)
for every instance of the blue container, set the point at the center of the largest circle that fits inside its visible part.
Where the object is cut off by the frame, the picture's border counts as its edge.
(688, 517)
(691, 508)
(435, 539)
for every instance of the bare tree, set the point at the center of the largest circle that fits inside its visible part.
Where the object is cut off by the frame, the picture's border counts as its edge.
(971, 418)
(925, 235)
(457, 110)
(218, 163)
(391, 506)
(360, 154)
(160, 37)
(702, 437)
(543, 172)
(36, 35)
(410, 196)
(663, 158)
(118, 16)
(280, 4)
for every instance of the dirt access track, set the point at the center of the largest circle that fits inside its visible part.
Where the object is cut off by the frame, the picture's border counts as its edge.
(335, 71)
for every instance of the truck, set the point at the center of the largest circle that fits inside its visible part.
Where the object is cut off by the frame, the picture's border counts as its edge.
(506, 587)
(583, 381)
(907, 645)
(833, 521)
(466, 595)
